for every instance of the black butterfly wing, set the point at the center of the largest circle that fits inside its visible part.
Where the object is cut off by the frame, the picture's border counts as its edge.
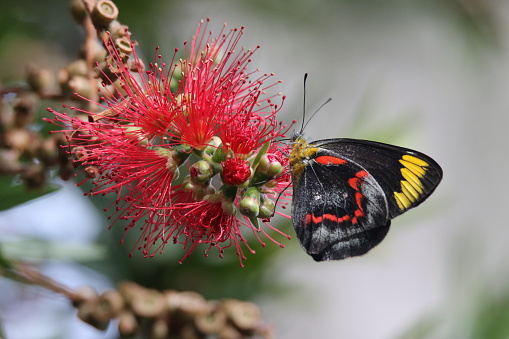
(349, 190)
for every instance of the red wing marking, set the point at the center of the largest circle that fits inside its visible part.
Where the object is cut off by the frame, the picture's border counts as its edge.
(354, 183)
(358, 200)
(328, 160)
(361, 174)
(312, 219)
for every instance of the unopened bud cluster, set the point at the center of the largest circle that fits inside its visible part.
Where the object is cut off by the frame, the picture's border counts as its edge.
(250, 178)
(148, 313)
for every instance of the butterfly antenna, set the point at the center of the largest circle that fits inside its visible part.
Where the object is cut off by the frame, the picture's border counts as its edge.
(303, 126)
(319, 108)
(304, 105)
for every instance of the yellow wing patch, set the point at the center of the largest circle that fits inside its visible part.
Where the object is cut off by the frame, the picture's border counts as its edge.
(412, 187)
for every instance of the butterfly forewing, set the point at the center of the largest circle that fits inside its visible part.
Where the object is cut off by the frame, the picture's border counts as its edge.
(407, 177)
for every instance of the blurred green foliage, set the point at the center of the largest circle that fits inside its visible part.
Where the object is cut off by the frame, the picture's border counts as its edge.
(14, 193)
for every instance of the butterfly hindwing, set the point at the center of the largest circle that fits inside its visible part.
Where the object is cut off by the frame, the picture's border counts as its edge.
(346, 191)
(330, 221)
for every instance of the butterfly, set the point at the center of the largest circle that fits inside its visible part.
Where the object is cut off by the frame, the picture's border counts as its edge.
(347, 191)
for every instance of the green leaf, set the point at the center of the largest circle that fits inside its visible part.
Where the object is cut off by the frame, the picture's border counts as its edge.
(13, 193)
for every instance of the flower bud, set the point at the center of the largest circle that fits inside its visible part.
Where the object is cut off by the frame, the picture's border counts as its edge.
(187, 185)
(263, 165)
(87, 312)
(112, 302)
(229, 332)
(199, 192)
(171, 165)
(95, 49)
(250, 203)
(267, 208)
(160, 329)
(271, 183)
(269, 165)
(187, 304)
(219, 155)
(135, 133)
(20, 139)
(78, 153)
(275, 168)
(201, 172)
(47, 151)
(108, 72)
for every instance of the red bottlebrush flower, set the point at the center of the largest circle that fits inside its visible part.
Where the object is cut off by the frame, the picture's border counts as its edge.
(236, 171)
(207, 104)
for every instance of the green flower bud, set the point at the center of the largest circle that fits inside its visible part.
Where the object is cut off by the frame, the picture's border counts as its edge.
(187, 185)
(252, 192)
(264, 164)
(249, 207)
(250, 203)
(201, 172)
(275, 169)
(267, 208)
